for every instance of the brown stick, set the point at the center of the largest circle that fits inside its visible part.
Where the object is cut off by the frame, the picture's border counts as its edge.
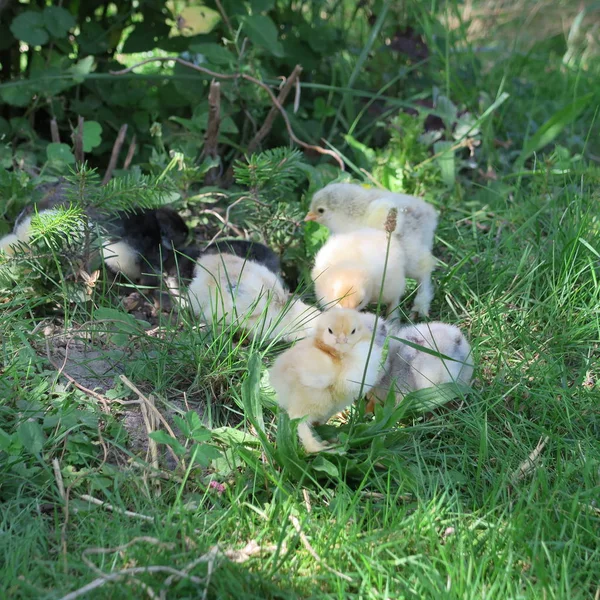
(130, 153)
(115, 154)
(211, 139)
(54, 131)
(262, 133)
(78, 139)
(251, 79)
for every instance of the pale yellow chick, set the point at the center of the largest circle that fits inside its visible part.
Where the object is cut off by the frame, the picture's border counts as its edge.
(344, 207)
(21, 233)
(245, 293)
(323, 374)
(408, 369)
(350, 267)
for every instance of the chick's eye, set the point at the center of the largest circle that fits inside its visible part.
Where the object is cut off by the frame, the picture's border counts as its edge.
(320, 210)
(329, 329)
(353, 331)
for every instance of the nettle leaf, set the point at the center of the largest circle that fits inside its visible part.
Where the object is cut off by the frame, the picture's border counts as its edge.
(60, 153)
(58, 21)
(81, 67)
(164, 438)
(203, 454)
(17, 93)
(214, 53)
(29, 28)
(32, 436)
(263, 32)
(92, 138)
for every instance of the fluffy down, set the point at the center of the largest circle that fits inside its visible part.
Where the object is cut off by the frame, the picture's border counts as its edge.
(344, 207)
(350, 267)
(21, 233)
(323, 374)
(246, 294)
(408, 369)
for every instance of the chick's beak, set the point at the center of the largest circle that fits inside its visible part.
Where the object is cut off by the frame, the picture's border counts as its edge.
(342, 339)
(310, 216)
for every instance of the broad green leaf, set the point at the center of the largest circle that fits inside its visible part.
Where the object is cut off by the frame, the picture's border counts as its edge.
(60, 153)
(81, 67)
(287, 447)
(92, 137)
(32, 436)
(183, 425)
(315, 235)
(262, 32)
(446, 109)
(194, 20)
(164, 438)
(231, 436)
(214, 53)
(552, 128)
(17, 93)
(204, 454)
(58, 21)
(29, 28)
(446, 162)
(325, 466)
(5, 440)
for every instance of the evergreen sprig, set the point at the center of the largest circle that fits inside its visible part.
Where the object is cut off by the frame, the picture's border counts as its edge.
(273, 173)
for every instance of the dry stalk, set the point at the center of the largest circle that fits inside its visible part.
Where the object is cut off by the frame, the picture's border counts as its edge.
(54, 131)
(246, 77)
(114, 156)
(150, 405)
(211, 138)
(130, 152)
(262, 133)
(78, 139)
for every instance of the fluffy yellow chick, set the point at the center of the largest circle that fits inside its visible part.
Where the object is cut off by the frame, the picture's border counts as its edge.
(408, 369)
(21, 233)
(349, 268)
(248, 294)
(344, 207)
(322, 374)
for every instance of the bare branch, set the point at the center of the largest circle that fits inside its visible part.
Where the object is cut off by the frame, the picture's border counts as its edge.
(54, 131)
(283, 93)
(78, 140)
(211, 139)
(246, 77)
(130, 153)
(115, 154)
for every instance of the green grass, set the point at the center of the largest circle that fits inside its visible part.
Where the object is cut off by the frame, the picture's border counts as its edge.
(430, 507)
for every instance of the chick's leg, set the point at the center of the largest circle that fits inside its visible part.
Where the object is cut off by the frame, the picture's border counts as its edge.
(425, 292)
(309, 439)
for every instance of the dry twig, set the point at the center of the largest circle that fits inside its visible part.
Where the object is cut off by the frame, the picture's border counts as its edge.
(114, 156)
(530, 463)
(211, 138)
(283, 93)
(54, 131)
(130, 152)
(78, 139)
(246, 77)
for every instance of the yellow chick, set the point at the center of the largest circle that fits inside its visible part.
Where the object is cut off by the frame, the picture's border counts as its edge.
(350, 267)
(249, 295)
(344, 207)
(323, 374)
(21, 233)
(408, 369)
